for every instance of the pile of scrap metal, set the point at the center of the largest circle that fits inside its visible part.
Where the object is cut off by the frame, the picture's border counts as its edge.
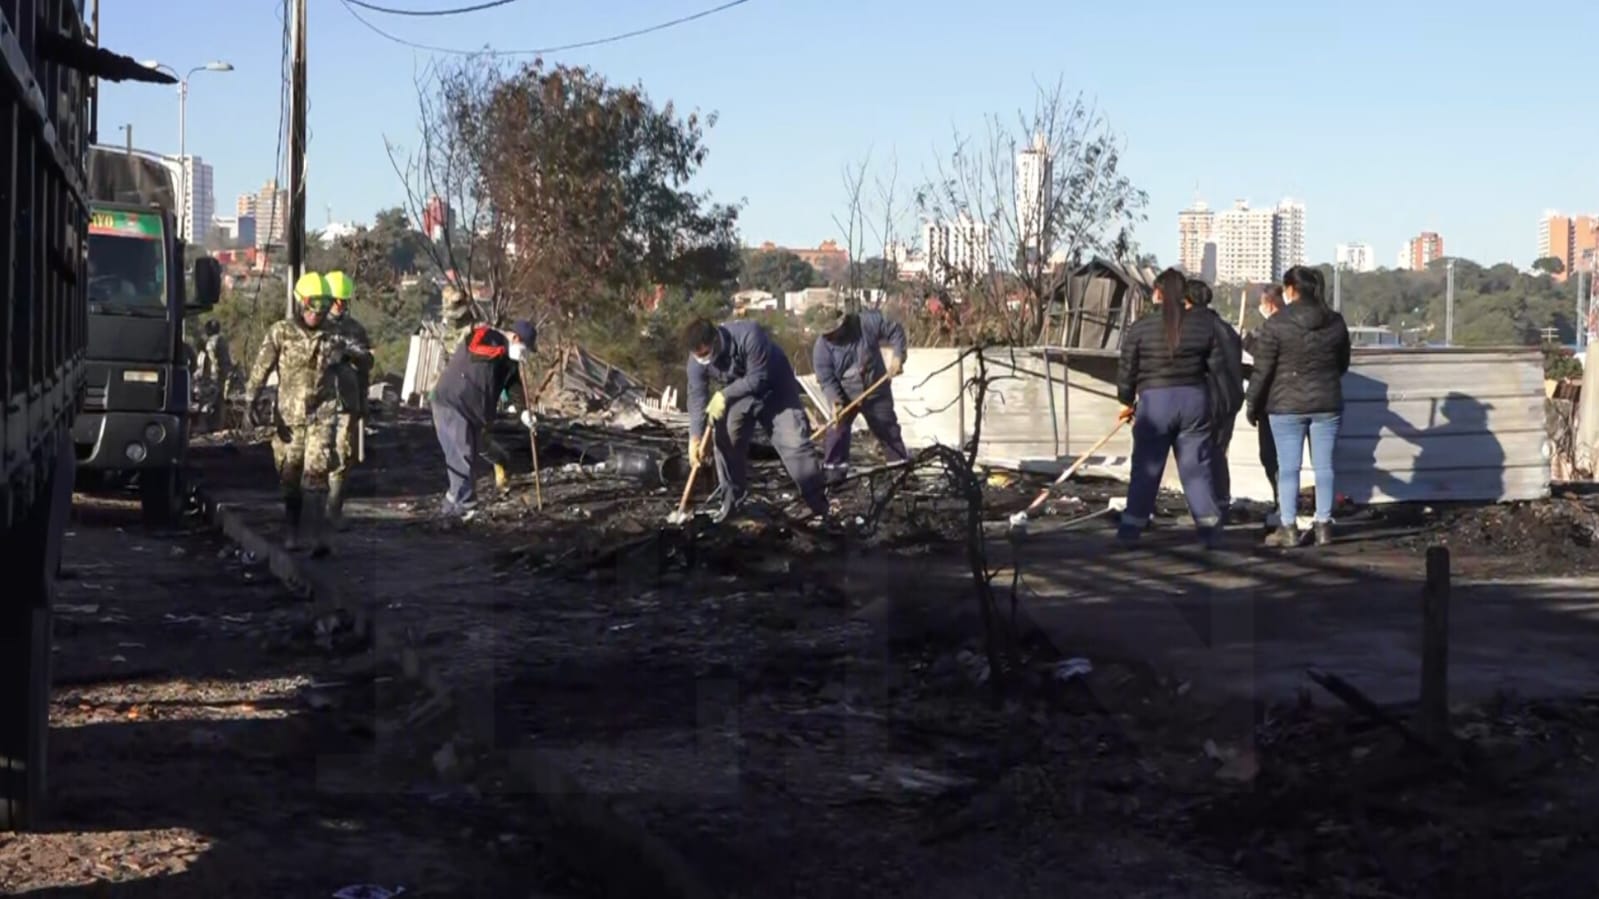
(585, 387)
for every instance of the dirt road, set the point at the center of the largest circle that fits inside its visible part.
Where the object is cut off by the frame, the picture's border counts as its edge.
(202, 746)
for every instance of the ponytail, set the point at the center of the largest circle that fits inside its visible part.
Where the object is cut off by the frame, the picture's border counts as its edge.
(1172, 286)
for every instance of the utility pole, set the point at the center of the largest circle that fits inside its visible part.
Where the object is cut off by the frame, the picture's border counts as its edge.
(1449, 303)
(129, 129)
(1338, 288)
(1582, 317)
(294, 234)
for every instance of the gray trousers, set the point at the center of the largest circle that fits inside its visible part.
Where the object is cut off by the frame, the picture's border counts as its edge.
(791, 437)
(458, 437)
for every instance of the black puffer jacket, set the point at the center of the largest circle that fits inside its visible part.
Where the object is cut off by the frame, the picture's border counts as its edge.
(1226, 384)
(1146, 362)
(1300, 362)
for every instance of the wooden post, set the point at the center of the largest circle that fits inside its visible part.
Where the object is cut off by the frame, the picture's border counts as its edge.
(1434, 712)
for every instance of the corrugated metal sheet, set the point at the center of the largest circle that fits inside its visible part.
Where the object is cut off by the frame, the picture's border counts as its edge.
(1419, 425)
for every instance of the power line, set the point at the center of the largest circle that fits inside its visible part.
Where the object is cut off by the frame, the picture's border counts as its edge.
(611, 39)
(488, 4)
(277, 155)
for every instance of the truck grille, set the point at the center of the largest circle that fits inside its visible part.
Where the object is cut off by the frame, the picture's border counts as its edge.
(94, 397)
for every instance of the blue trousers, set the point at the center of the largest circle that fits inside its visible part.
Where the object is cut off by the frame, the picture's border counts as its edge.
(458, 438)
(878, 410)
(1288, 434)
(1172, 418)
(791, 437)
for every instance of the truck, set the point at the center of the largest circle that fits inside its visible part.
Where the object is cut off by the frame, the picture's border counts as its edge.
(135, 418)
(48, 66)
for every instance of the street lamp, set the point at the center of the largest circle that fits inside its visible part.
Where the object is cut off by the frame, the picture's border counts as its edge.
(184, 212)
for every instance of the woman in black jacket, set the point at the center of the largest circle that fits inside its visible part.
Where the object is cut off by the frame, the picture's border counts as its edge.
(1298, 388)
(1167, 361)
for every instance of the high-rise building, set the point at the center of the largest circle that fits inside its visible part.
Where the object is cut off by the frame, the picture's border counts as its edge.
(1245, 244)
(1195, 231)
(956, 249)
(437, 218)
(1288, 237)
(1034, 171)
(199, 202)
(269, 207)
(1567, 238)
(1355, 257)
(1424, 249)
(1241, 245)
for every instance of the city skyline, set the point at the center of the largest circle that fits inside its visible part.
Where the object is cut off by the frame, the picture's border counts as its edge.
(792, 187)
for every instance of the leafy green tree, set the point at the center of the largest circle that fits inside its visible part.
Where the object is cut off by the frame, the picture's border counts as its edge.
(776, 272)
(1549, 265)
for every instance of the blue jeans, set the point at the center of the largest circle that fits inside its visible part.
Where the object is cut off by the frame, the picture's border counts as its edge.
(1288, 433)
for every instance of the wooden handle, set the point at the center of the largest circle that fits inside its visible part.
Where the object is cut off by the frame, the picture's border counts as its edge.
(1066, 475)
(699, 453)
(857, 403)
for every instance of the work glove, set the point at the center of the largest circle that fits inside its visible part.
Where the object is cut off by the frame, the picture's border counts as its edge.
(253, 413)
(717, 407)
(895, 366)
(528, 419)
(1253, 418)
(693, 451)
(1126, 414)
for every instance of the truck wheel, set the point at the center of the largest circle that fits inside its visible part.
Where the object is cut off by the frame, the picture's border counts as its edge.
(31, 550)
(161, 496)
(24, 709)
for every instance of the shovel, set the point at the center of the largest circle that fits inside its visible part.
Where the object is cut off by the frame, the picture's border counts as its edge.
(845, 412)
(1018, 522)
(681, 515)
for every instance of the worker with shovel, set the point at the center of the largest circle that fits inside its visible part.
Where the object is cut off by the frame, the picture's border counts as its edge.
(466, 397)
(759, 389)
(850, 369)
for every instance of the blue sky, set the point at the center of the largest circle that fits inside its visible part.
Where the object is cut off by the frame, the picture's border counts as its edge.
(1467, 117)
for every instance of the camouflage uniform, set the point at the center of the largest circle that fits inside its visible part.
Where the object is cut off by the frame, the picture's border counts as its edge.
(352, 378)
(213, 369)
(304, 447)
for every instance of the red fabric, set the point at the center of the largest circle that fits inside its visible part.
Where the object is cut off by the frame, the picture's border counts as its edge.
(481, 348)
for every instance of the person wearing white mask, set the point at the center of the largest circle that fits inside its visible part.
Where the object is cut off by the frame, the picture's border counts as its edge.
(1271, 302)
(485, 365)
(758, 389)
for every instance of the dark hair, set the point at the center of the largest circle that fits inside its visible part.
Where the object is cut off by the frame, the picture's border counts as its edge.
(1273, 295)
(697, 333)
(1307, 281)
(1172, 286)
(1198, 293)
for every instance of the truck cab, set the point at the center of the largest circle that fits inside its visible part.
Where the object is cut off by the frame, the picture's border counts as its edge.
(134, 420)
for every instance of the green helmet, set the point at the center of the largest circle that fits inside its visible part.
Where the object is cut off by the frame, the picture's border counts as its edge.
(340, 286)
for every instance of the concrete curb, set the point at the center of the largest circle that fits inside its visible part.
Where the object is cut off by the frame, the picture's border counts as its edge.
(615, 848)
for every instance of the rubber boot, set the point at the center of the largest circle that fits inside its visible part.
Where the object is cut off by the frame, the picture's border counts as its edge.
(315, 523)
(293, 509)
(502, 480)
(336, 503)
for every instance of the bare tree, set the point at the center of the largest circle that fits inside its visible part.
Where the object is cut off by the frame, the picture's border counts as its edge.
(872, 222)
(1039, 196)
(472, 245)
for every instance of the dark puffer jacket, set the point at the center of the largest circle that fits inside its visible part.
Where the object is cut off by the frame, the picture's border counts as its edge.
(1146, 362)
(1300, 362)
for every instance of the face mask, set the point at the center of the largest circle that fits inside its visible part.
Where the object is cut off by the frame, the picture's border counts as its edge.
(518, 351)
(703, 360)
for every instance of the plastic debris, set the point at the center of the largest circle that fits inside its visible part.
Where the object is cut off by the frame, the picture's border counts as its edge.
(1072, 669)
